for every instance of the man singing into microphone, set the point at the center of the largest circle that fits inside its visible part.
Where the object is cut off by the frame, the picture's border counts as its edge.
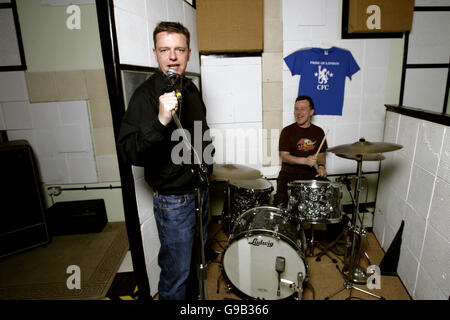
(145, 140)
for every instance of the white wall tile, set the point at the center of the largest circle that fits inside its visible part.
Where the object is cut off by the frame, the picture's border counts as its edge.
(151, 243)
(373, 109)
(439, 216)
(420, 190)
(444, 162)
(379, 224)
(45, 115)
(54, 170)
(13, 86)
(414, 232)
(150, 238)
(351, 111)
(436, 258)
(137, 7)
(372, 130)
(426, 288)
(377, 53)
(138, 172)
(374, 81)
(407, 268)
(175, 10)
(429, 142)
(153, 272)
(144, 200)
(401, 172)
(72, 138)
(81, 168)
(46, 142)
(17, 115)
(389, 234)
(132, 38)
(391, 127)
(190, 22)
(407, 135)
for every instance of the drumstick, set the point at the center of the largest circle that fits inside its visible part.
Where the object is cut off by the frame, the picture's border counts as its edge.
(321, 144)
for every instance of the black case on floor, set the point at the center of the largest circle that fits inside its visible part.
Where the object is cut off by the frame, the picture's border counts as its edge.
(72, 217)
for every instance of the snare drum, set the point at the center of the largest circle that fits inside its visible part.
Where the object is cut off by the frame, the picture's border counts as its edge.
(244, 195)
(260, 236)
(314, 201)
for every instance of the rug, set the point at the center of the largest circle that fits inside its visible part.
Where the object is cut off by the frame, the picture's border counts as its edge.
(47, 273)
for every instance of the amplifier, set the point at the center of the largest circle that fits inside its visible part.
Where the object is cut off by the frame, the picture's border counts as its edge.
(72, 217)
(22, 211)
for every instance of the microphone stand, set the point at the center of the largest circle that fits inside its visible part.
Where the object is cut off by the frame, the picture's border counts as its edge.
(200, 177)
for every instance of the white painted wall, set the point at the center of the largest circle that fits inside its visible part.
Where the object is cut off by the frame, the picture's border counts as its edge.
(232, 92)
(415, 187)
(135, 21)
(59, 132)
(365, 94)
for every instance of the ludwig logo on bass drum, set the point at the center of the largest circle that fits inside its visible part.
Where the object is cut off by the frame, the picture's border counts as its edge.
(260, 242)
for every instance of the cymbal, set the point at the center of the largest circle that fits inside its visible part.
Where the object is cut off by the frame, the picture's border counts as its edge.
(234, 172)
(365, 157)
(364, 147)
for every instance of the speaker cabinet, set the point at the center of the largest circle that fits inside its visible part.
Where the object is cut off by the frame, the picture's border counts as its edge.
(22, 215)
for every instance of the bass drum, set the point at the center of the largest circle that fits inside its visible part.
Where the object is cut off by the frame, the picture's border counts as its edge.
(261, 236)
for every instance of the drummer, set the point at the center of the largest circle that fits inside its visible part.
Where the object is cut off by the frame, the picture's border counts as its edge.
(298, 146)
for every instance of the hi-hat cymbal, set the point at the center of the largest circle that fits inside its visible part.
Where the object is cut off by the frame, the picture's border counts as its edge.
(234, 172)
(365, 157)
(364, 147)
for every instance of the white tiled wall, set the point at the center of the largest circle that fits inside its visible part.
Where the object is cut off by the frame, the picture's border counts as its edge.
(365, 94)
(135, 21)
(232, 92)
(413, 188)
(59, 132)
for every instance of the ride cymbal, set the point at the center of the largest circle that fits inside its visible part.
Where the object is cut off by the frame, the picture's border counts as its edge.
(365, 157)
(234, 172)
(364, 147)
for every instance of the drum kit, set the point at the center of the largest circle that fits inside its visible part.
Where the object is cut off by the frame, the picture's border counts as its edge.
(265, 253)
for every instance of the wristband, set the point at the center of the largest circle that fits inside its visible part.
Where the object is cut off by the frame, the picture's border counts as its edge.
(321, 165)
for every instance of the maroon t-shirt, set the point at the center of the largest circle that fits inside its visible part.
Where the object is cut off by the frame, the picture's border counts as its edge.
(301, 142)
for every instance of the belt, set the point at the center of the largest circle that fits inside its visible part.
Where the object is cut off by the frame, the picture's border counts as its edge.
(173, 193)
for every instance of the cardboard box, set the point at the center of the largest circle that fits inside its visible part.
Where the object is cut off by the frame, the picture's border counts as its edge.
(378, 16)
(226, 26)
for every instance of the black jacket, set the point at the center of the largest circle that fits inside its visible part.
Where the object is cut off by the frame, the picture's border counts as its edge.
(144, 141)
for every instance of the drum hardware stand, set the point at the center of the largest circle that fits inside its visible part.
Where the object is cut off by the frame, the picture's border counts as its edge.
(355, 273)
(346, 229)
(322, 249)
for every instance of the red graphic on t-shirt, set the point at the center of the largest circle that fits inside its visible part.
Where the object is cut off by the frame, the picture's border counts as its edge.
(304, 144)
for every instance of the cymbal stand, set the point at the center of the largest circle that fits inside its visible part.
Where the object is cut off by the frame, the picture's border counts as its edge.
(354, 272)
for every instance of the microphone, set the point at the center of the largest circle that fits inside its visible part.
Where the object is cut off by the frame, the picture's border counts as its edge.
(174, 79)
(280, 265)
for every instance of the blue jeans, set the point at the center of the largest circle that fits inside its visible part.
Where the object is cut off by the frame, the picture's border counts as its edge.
(176, 219)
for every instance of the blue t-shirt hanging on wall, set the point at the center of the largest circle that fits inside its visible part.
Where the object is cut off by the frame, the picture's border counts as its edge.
(323, 73)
